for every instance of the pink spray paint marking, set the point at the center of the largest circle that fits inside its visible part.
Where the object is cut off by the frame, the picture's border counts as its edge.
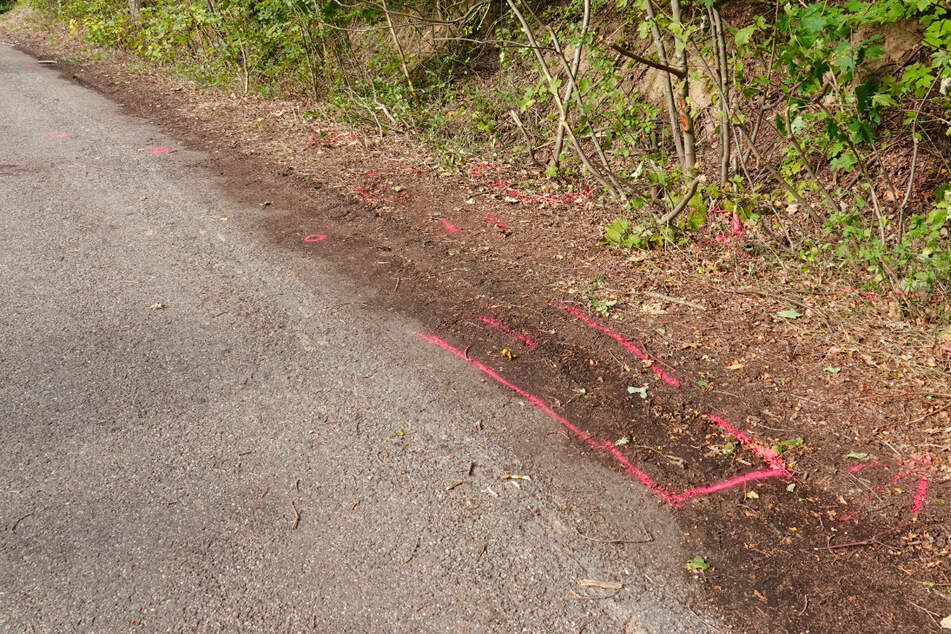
(674, 499)
(507, 188)
(919, 501)
(913, 468)
(161, 149)
(449, 226)
(315, 237)
(494, 322)
(495, 221)
(767, 454)
(640, 354)
(55, 135)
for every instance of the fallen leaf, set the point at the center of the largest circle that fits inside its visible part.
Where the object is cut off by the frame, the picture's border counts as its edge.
(946, 623)
(789, 313)
(508, 354)
(752, 495)
(736, 365)
(620, 442)
(157, 306)
(858, 455)
(690, 344)
(640, 391)
(697, 564)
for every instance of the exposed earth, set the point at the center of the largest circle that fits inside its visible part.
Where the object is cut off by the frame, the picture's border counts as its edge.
(783, 450)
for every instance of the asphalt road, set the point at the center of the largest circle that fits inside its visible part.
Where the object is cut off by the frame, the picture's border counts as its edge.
(173, 393)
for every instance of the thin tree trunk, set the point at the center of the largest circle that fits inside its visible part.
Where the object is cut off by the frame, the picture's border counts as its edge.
(668, 85)
(399, 51)
(575, 63)
(720, 42)
(686, 119)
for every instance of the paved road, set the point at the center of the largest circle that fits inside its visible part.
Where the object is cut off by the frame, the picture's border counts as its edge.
(171, 390)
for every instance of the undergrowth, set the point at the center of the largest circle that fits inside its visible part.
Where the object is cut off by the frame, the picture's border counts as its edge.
(817, 130)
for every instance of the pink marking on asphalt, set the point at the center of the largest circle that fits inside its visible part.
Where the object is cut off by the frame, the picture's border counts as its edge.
(674, 499)
(640, 354)
(493, 322)
(919, 501)
(448, 225)
(161, 149)
(315, 237)
(55, 135)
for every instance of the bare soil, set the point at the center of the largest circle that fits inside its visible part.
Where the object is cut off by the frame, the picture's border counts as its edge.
(855, 539)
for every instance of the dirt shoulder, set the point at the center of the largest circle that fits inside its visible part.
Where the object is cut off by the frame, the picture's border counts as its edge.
(799, 428)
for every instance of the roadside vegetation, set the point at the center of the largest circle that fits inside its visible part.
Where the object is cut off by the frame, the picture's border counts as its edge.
(813, 133)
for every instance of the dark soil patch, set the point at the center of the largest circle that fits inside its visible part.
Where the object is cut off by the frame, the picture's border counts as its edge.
(783, 557)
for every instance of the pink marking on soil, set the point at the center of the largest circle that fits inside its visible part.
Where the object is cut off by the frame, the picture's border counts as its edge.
(946, 348)
(55, 135)
(411, 170)
(767, 454)
(674, 499)
(640, 354)
(162, 149)
(537, 402)
(448, 225)
(315, 237)
(493, 322)
(919, 500)
(730, 482)
(495, 221)
(564, 198)
(371, 173)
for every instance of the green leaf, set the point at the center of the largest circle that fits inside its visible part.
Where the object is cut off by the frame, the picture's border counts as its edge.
(789, 313)
(832, 370)
(743, 35)
(857, 455)
(698, 564)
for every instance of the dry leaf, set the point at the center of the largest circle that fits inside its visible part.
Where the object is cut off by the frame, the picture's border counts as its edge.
(946, 623)
(690, 344)
(736, 365)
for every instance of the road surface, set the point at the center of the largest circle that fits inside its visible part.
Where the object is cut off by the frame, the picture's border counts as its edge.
(198, 432)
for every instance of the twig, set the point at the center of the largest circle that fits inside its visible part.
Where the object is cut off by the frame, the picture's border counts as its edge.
(13, 528)
(680, 73)
(697, 616)
(296, 516)
(675, 300)
(649, 538)
(584, 597)
(673, 213)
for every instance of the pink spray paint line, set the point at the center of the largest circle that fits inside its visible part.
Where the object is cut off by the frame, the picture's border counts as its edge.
(494, 322)
(767, 454)
(864, 465)
(161, 149)
(449, 226)
(919, 501)
(315, 237)
(674, 499)
(640, 354)
(27, 65)
(55, 135)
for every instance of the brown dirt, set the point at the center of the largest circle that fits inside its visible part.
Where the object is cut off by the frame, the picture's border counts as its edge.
(839, 551)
